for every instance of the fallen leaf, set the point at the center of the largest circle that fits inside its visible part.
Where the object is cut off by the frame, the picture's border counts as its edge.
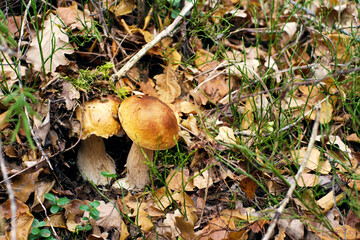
(54, 44)
(23, 220)
(74, 18)
(249, 187)
(24, 185)
(57, 220)
(226, 135)
(328, 201)
(167, 85)
(203, 180)
(41, 188)
(178, 180)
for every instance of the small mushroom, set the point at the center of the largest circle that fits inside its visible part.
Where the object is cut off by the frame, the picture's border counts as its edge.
(151, 125)
(99, 120)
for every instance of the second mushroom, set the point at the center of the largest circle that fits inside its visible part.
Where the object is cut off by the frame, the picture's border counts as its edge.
(151, 125)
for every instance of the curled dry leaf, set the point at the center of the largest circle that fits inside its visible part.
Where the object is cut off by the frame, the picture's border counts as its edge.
(54, 45)
(178, 180)
(73, 214)
(74, 18)
(167, 85)
(23, 220)
(226, 135)
(24, 185)
(314, 163)
(203, 180)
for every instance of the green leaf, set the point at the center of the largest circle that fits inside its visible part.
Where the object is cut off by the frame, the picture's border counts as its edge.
(50, 197)
(35, 231)
(45, 233)
(95, 214)
(109, 175)
(88, 227)
(62, 201)
(79, 228)
(85, 208)
(35, 223)
(54, 209)
(42, 224)
(94, 204)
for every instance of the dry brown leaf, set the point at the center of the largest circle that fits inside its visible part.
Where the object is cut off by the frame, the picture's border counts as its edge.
(188, 107)
(24, 185)
(177, 180)
(248, 118)
(226, 135)
(186, 227)
(109, 219)
(41, 188)
(73, 214)
(293, 227)
(353, 138)
(7, 71)
(203, 180)
(124, 231)
(70, 94)
(191, 124)
(54, 45)
(57, 220)
(334, 43)
(313, 162)
(327, 202)
(351, 233)
(249, 187)
(148, 88)
(167, 85)
(23, 220)
(74, 18)
(121, 7)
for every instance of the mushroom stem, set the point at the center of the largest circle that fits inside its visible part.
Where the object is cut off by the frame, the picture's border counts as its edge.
(92, 159)
(137, 167)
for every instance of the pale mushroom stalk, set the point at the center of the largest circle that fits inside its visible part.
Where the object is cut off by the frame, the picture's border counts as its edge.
(98, 122)
(92, 159)
(137, 167)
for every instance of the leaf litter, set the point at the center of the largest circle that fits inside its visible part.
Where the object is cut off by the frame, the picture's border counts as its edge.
(231, 95)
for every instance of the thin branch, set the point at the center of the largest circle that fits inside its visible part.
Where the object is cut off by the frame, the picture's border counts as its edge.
(166, 32)
(47, 217)
(289, 193)
(10, 193)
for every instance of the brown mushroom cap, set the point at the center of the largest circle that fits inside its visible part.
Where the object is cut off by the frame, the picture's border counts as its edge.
(149, 122)
(99, 118)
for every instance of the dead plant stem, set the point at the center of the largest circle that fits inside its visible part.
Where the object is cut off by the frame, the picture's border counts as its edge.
(11, 194)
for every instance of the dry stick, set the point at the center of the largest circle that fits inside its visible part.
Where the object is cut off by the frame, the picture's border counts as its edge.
(47, 217)
(166, 32)
(285, 201)
(10, 193)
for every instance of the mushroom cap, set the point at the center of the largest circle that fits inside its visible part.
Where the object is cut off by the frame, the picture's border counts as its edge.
(149, 122)
(99, 117)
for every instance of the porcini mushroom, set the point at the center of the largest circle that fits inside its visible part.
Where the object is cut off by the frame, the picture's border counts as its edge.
(99, 120)
(151, 125)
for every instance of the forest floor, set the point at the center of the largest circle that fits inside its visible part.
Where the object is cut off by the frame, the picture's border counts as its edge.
(266, 100)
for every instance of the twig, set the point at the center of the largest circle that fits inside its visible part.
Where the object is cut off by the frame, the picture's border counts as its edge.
(285, 201)
(10, 193)
(47, 217)
(166, 32)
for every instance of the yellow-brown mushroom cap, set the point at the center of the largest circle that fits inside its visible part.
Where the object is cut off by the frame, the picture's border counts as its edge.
(99, 118)
(149, 122)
